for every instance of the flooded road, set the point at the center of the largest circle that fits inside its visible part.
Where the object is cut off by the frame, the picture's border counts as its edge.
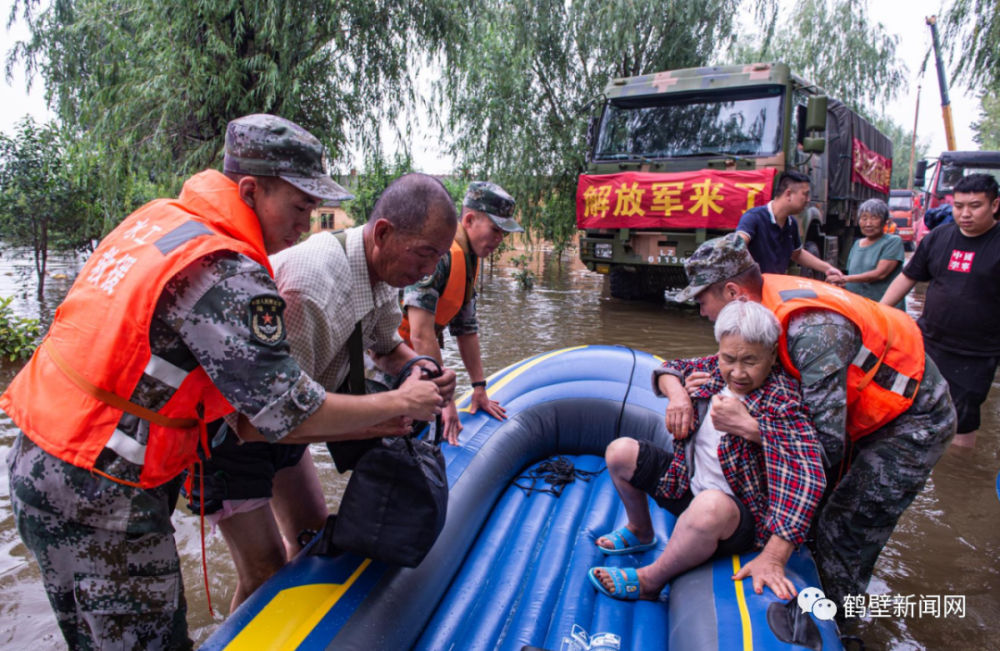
(947, 543)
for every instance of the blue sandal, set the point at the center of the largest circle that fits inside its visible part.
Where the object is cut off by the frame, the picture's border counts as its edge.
(625, 542)
(626, 582)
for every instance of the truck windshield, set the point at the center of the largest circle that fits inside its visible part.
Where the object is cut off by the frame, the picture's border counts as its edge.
(901, 203)
(659, 127)
(952, 174)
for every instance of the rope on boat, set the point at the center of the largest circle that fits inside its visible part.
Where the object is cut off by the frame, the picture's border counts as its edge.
(558, 472)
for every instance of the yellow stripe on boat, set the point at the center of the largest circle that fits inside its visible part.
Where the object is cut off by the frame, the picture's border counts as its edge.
(514, 374)
(741, 600)
(291, 615)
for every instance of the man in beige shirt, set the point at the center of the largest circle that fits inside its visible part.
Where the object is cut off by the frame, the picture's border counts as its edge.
(262, 496)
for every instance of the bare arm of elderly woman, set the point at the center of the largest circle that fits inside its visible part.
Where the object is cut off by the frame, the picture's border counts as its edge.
(795, 480)
(680, 411)
(880, 272)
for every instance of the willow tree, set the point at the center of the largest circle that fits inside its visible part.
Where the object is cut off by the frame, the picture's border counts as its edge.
(44, 201)
(986, 130)
(837, 45)
(151, 85)
(972, 34)
(519, 92)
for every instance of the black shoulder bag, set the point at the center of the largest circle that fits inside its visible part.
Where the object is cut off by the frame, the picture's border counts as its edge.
(347, 453)
(396, 501)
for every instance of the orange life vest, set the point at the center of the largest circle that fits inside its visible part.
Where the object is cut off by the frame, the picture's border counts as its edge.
(71, 395)
(889, 337)
(457, 291)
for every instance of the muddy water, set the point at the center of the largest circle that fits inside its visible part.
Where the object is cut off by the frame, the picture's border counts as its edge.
(947, 543)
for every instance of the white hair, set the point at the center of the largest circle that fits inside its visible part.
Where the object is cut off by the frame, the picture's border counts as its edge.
(751, 322)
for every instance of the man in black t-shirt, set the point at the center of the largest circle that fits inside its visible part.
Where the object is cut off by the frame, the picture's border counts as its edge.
(962, 306)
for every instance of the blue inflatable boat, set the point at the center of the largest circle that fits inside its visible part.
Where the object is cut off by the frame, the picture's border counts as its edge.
(510, 570)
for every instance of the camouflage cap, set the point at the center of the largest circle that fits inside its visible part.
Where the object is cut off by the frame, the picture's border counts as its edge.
(715, 260)
(493, 200)
(266, 145)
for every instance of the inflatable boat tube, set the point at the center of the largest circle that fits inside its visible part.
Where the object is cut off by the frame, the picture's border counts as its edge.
(509, 570)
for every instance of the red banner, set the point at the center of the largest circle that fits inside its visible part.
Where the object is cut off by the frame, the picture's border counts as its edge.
(869, 168)
(702, 199)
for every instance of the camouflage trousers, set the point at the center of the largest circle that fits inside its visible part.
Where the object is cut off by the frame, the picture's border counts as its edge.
(109, 589)
(889, 469)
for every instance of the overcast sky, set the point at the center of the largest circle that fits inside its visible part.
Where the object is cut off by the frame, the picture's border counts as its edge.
(427, 146)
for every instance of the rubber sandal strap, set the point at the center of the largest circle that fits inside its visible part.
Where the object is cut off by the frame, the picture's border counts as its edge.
(629, 538)
(617, 540)
(622, 539)
(625, 580)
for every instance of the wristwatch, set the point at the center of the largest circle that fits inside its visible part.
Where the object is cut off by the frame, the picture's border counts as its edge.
(479, 384)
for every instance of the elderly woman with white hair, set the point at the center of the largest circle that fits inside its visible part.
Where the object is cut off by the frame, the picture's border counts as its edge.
(876, 259)
(736, 477)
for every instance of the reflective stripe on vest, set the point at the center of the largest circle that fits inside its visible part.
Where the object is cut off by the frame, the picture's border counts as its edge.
(885, 375)
(865, 360)
(457, 291)
(127, 447)
(70, 397)
(165, 372)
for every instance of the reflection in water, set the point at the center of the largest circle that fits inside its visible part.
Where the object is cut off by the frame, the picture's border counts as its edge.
(946, 544)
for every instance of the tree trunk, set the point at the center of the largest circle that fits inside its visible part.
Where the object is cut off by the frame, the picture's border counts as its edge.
(42, 257)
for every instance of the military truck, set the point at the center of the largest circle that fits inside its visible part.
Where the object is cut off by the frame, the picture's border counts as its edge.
(675, 158)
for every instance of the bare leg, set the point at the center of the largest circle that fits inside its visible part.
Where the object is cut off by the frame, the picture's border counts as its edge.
(621, 457)
(298, 502)
(712, 516)
(965, 440)
(255, 544)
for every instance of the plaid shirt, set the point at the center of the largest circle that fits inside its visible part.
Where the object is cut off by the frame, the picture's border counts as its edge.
(781, 481)
(327, 293)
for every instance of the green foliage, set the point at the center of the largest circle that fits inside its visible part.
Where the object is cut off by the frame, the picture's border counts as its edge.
(986, 132)
(18, 335)
(972, 34)
(150, 86)
(46, 199)
(525, 277)
(521, 88)
(456, 189)
(378, 174)
(902, 140)
(835, 44)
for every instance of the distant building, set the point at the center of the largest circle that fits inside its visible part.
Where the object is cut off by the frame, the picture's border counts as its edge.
(330, 217)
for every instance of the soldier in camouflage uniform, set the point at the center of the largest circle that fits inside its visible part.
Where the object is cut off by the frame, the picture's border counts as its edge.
(487, 216)
(871, 482)
(104, 544)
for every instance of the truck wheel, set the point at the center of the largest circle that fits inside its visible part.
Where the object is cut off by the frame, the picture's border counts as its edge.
(806, 272)
(639, 285)
(626, 285)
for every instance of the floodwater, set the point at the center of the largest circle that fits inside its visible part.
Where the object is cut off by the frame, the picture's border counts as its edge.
(947, 543)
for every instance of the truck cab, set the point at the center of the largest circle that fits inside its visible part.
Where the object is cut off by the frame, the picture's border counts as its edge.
(948, 169)
(675, 158)
(945, 172)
